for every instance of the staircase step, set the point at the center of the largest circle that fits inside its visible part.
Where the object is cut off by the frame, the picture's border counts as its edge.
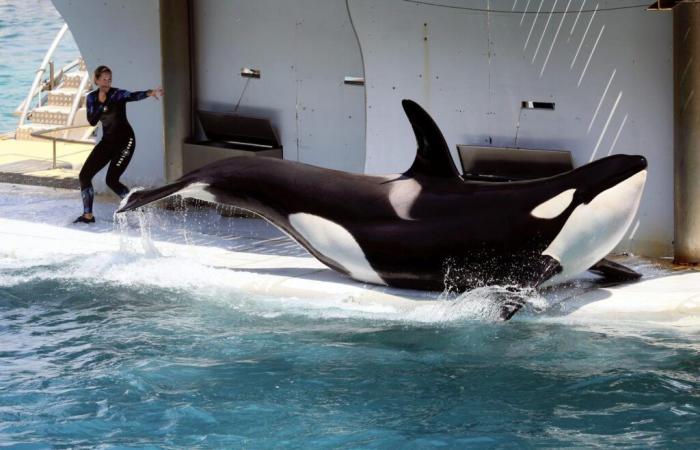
(24, 133)
(64, 91)
(59, 101)
(50, 115)
(62, 97)
(58, 109)
(72, 80)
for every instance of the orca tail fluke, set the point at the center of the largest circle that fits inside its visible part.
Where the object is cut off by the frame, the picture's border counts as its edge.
(512, 302)
(137, 199)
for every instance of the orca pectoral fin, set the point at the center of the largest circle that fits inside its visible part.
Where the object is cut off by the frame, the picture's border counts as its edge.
(548, 268)
(512, 302)
(142, 198)
(614, 272)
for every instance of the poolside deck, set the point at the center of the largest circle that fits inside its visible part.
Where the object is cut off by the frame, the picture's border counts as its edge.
(31, 162)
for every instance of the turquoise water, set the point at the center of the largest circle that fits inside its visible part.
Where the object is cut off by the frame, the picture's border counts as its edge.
(27, 29)
(87, 363)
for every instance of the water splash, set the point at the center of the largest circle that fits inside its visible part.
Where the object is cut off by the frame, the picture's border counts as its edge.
(144, 218)
(485, 302)
(482, 303)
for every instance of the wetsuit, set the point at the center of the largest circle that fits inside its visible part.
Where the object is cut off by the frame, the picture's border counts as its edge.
(117, 144)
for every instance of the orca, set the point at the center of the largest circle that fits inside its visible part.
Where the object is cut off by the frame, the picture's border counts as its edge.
(428, 228)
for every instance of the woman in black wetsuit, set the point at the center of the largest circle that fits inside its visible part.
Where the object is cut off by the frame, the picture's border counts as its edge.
(108, 105)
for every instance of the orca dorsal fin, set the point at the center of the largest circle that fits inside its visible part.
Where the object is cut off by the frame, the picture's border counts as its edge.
(433, 157)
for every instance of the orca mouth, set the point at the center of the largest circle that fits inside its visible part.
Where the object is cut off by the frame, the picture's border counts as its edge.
(615, 169)
(637, 163)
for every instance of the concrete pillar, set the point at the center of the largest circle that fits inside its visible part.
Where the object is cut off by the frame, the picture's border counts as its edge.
(686, 83)
(177, 105)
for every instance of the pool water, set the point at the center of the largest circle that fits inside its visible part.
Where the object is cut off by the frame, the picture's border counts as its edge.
(98, 362)
(126, 348)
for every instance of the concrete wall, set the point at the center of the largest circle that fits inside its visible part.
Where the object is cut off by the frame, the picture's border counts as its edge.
(609, 73)
(304, 49)
(125, 35)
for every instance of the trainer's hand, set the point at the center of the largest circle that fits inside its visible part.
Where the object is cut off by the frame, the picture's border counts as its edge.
(156, 93)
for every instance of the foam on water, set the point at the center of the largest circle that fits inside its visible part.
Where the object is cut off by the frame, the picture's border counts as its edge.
(137, 262)
(182, 260)
(129, 268)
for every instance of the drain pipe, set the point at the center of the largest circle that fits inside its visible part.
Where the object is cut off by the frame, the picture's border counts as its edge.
(686, 157)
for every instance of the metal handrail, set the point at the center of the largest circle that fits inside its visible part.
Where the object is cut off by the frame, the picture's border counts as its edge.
(78, 97)
(68, 67)
(40, 73)
(43, 135)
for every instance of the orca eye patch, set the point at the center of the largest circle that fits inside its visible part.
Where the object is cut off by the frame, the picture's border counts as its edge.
(554, 206)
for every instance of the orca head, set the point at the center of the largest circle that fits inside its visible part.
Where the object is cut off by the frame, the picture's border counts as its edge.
(601, 199)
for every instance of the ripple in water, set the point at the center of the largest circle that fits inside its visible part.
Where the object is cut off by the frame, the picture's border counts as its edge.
(97, 363)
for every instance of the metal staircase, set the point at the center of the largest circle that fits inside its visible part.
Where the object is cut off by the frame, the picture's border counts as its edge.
(56, 100)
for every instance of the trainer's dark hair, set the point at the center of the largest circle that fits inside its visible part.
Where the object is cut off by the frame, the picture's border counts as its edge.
(100, 70)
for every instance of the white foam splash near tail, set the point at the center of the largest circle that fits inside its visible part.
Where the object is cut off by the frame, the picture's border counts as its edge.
(484, 302)
(144, 217)
(481, 303)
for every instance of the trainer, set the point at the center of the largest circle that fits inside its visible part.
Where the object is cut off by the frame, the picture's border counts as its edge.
(107, 105)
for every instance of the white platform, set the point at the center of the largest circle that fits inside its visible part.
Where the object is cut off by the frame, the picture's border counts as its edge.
(200, 250)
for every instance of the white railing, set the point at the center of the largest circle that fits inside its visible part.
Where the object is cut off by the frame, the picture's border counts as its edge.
(49, 84)
(45, 134)
(78, 97)
(40, 73)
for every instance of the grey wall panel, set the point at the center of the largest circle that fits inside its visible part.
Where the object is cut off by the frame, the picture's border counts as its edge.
(125, 35)
(430, 55)
(472, 69)
(304, 49)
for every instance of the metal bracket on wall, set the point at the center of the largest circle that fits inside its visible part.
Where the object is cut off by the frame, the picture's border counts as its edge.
(250, 73)
(355, 81)
(528, 104)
